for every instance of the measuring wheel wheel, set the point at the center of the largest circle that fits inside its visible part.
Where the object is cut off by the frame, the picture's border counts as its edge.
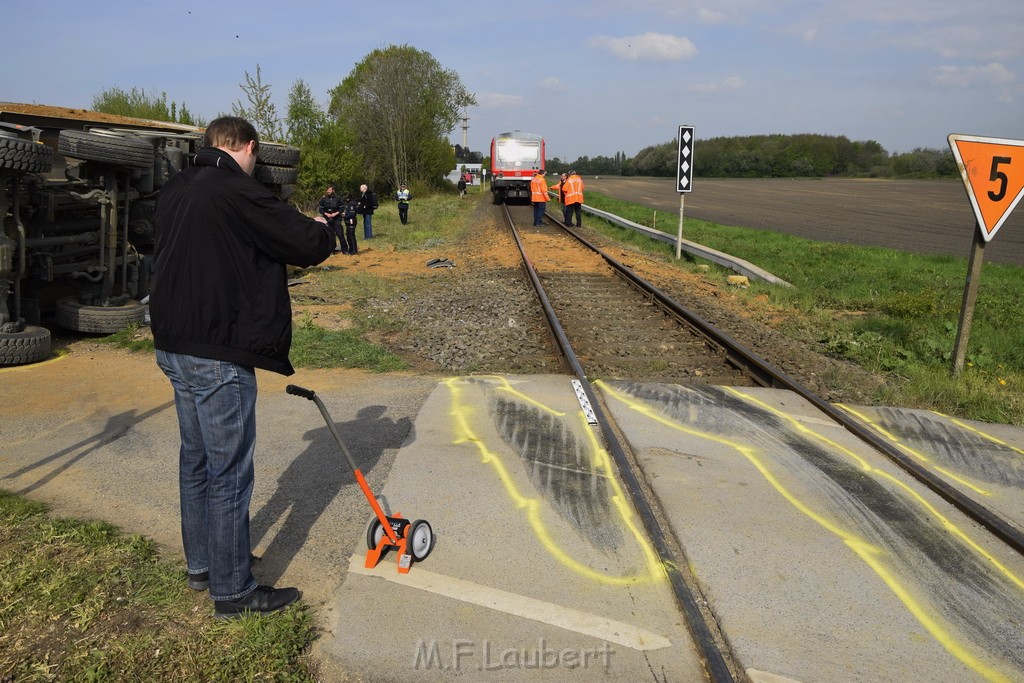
(374, 532)
(421, 539)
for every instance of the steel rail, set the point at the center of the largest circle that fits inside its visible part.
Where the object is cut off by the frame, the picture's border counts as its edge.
(711, 654)
(771, 376)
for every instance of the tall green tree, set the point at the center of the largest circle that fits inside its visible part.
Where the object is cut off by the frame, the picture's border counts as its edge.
(327, 158)
(260, 110)
(305, 117)
(401, 104)
(327, 152)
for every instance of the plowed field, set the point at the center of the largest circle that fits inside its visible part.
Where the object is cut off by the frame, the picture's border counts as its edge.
(922, 216)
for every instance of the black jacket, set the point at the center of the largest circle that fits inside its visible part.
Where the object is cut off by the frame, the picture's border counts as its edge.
(367, 202)
(220, 286)
(330, 203)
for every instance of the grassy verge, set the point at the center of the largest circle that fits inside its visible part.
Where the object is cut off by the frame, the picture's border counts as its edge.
(892, 312)
(83, 602)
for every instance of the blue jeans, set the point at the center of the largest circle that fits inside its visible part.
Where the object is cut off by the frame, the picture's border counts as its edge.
(538, 212)
(367, 225)
(216, 405)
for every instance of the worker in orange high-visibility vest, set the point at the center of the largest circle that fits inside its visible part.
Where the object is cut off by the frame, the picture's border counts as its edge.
(573, 188)
(539, 196)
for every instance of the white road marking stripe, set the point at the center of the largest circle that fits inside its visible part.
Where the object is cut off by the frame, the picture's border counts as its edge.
(610, 630)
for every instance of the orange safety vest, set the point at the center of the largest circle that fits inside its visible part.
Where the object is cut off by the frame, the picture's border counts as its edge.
(538, 189)
(573, 188)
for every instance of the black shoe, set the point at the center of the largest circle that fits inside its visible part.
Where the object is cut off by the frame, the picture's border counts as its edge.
(263, 600)
(201, 581)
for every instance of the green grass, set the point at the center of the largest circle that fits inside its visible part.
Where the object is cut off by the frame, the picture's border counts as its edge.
(315, 347)
(890, 311)
(85, 602)
(433, 221)
(129, 338)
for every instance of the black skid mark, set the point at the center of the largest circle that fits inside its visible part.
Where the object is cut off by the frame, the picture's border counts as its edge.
(560, 469)
(954, 447)
(960, 584)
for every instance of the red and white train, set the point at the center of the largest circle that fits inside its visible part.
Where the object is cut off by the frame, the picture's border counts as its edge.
(515, 157)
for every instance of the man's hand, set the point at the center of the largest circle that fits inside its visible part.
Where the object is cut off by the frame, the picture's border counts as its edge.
(321, 219)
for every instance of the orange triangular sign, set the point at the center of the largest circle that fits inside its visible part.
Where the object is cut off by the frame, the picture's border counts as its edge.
(993, 173)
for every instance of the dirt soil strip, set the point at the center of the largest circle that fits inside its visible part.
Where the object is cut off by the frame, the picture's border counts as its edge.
(920, 216)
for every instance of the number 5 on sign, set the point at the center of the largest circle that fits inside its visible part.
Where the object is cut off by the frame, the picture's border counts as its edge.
(993, 173)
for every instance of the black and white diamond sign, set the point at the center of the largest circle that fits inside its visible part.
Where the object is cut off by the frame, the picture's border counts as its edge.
(684, 170)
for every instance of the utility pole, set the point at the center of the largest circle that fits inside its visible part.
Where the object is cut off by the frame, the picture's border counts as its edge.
(465, 130)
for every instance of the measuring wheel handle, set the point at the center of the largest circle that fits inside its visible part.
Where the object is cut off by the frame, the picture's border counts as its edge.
(299, 391)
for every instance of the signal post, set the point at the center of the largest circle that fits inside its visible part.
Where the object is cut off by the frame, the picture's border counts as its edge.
(684, 177)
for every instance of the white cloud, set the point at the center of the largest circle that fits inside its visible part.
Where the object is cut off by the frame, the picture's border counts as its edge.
(809, 34)
(552, 84)
(647, 46)
(730, 84)
(497, 100)
(992, 73)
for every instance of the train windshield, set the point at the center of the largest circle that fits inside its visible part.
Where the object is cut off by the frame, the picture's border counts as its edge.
(515, 152)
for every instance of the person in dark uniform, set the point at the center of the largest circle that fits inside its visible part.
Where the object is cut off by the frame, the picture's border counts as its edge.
(351, 217)
(330, 207)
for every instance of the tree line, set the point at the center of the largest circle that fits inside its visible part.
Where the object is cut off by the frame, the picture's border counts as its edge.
(388, 123)
(773, 156)
(384, 124)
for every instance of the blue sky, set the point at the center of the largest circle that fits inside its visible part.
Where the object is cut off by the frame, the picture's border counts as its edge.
(594, 78)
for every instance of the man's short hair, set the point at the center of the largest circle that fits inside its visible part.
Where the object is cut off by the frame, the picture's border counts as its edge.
(231, 133)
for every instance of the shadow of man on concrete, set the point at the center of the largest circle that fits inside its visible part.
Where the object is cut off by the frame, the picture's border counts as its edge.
(315, 478)
(115, 428)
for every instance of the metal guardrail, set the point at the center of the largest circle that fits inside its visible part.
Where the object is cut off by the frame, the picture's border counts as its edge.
(731, 262)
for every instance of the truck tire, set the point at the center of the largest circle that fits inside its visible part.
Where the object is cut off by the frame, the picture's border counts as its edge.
(111, 149)
(24, 155)
(31, 345)
(74, 315)
(275, 175)
(277, 155)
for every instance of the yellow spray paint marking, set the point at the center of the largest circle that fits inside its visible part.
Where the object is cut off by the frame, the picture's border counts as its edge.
(983, 435)
(945, 521)
(868, 552)
(604, 462)
(461, 412)
(917, 454)
(506, 386)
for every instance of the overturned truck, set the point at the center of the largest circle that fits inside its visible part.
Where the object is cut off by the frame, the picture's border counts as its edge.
(78, 194)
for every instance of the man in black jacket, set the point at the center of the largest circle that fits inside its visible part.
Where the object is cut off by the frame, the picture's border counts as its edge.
(367, 203)
(330, 207)
(219, 307)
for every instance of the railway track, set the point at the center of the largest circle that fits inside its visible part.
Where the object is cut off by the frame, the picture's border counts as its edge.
(616, 328)
(609, 323)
